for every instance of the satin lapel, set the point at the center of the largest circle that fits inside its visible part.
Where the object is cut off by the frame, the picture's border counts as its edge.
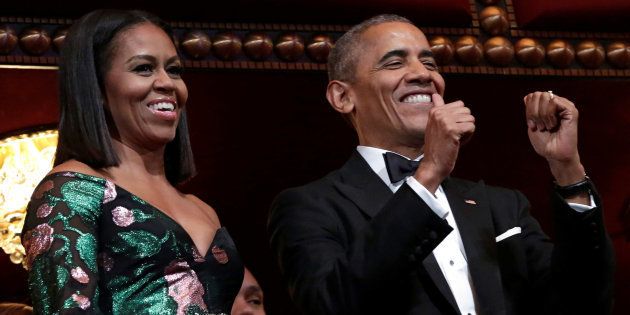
(361, 185)
(433, 270)
(472, 213)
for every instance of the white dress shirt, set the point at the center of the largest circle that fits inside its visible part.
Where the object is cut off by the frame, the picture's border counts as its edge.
(450, 253)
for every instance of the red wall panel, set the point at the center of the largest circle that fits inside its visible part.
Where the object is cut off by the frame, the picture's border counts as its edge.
(28, 98)
(573, 15)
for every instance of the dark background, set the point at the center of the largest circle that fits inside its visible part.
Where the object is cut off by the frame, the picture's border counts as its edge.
(255, 133)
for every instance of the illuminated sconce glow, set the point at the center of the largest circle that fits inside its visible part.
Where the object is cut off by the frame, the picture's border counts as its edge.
(24, 161)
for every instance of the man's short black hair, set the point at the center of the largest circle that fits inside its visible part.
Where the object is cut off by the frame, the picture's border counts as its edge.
(342, 60)
(85, 58)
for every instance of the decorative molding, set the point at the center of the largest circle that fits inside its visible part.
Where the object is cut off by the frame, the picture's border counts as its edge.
(22, 60)
(27, 20)
(474, 15)
(28, 67)
(493, 44)
(570, 35)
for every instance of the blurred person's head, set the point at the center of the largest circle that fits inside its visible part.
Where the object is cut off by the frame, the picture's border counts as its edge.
(249, 300)
(15, 309)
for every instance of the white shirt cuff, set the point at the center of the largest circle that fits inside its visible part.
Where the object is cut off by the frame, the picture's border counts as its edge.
(583, 208)
(427, 197)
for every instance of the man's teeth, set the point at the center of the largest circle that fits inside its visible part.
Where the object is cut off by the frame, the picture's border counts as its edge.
(163, 106)
(417, 98)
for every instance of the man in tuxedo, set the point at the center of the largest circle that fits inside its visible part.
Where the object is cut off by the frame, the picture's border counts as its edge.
(382, 235)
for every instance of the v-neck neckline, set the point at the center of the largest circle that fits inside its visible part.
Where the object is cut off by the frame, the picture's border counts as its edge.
(140, 199)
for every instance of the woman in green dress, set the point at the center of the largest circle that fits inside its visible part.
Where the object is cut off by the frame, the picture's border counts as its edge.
(107, 231)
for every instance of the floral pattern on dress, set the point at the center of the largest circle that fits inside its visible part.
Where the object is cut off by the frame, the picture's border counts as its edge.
(79, 275)
(42, 188)
(37, 241)
(44, 210)
(93, 247)
(110, 191)
(184, 286)
(122, 216)
(82, 301)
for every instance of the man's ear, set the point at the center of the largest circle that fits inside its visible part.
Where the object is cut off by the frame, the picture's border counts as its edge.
(338, 95)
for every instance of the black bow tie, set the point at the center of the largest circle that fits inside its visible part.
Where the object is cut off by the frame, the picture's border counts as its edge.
(399, 167)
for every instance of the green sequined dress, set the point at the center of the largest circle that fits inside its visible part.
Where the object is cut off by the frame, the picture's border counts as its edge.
(94, 248)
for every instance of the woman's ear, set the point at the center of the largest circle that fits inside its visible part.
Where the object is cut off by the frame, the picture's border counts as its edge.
(339, 97)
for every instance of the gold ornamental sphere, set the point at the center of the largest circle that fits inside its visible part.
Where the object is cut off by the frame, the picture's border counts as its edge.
(530, 52)
(8, 39)
(468, 50)
(226, 46)
(443, 50)
(499, 51)
(258, 46)
(319, 47)
(590, 54)
(494, 20)
(560, 53)
(35, 41)
(618, 54)
(289, 46)
(196, 44)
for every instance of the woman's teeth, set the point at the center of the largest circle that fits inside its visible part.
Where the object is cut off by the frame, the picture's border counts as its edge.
(163, 107)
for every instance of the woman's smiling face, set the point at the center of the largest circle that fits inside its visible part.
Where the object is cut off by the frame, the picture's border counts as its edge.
(144, 92)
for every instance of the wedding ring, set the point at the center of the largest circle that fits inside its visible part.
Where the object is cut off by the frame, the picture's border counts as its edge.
(550, 94)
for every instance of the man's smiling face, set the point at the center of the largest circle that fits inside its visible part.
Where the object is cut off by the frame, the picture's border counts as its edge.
(391, 91)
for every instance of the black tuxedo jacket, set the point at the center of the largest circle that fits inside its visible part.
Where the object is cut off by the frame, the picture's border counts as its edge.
(347, 245)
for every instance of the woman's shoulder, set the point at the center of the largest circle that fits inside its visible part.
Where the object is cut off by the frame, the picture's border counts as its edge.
(75, 166)
(79, 189)
(77, 178)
